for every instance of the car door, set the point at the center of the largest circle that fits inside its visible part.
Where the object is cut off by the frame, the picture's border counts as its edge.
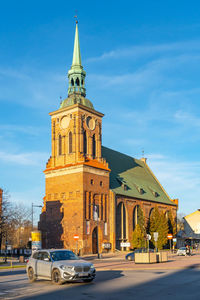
(43, 266)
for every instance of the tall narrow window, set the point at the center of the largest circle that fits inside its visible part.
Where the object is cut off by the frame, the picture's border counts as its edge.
(77, 82)
(59, 145)
(84, 142)
(101, 207)
(105, 208)
(89, 205)
(70, 142)
(93, 146)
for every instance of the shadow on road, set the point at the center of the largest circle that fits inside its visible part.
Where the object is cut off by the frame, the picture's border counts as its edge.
(179, 285)
(12, 272)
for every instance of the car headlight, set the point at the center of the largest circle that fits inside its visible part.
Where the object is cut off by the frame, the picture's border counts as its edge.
(63, 267)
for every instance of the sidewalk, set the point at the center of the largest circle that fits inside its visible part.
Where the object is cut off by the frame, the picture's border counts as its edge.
(175, 263)
(116, 261)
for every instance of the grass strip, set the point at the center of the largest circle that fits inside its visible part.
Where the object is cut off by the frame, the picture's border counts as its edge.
(13, 267)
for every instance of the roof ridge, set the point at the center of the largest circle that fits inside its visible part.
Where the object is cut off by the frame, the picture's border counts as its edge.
(122, 154)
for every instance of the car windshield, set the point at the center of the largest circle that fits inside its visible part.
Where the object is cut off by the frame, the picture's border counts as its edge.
(183, 248)
(63, 255)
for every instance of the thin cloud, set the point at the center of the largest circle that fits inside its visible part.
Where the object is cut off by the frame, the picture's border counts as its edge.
(181, 179)
(29, 130)
(17, 74)
(187, 119)
(147, 50)
(26, 159)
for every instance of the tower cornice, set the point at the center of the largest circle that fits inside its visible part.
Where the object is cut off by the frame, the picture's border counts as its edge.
(76, 107)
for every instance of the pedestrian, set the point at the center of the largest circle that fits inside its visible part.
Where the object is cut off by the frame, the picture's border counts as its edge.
(187, 250)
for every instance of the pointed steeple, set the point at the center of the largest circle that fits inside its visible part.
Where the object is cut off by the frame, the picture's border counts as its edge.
(76, 74)
(77, 53)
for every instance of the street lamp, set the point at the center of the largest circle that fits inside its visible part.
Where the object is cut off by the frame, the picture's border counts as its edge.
(32, 212)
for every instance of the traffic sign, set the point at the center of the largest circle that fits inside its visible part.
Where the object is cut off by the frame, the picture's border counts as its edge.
(148, 237)
(76, 236)
(170, 236)
(155, 236)
(126, 244)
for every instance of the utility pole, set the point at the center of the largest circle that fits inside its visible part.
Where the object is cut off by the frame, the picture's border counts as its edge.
(32, 212)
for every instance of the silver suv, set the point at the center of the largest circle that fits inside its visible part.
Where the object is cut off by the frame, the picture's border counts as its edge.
(59, 266)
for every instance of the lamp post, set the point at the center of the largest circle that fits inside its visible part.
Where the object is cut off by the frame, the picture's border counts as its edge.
(32, 212)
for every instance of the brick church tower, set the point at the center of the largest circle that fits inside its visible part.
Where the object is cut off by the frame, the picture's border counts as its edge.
(76, 175)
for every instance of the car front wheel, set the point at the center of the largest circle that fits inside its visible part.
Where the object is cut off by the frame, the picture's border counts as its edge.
(31, 275)
(56, 278)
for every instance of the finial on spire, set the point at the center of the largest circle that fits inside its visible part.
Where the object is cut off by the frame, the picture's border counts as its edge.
(76, 17)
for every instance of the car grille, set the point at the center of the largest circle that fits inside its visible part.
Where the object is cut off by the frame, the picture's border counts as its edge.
(78, 269)
(82, 269)
(86, 269)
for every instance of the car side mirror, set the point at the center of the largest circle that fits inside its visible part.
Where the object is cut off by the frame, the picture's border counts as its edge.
(46, 259)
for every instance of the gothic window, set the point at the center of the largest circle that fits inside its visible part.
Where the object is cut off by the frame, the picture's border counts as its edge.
(77, 82)
(93, 146)
(70, 142)
(89, 206)
(72, 82)
(59, 145)
(85, 205)
(105, 208)
(84, 142)
(82, 81)
(101, 207)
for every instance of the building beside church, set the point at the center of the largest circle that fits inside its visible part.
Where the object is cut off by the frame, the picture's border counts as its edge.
(191, 233)
(92, 191)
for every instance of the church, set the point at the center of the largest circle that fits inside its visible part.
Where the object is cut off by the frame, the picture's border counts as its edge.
(92, 193)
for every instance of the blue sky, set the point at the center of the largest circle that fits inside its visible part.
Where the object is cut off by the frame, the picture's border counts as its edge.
(142, 61)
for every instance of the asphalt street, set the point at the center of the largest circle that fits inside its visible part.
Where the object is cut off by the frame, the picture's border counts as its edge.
(109, 284)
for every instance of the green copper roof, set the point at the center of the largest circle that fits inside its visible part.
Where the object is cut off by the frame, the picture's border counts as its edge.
(74, 99)
(131, 177)
(76, 74)
(77, 53)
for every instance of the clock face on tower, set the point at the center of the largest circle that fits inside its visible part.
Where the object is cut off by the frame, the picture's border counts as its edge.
(91, 124)
(64, 122)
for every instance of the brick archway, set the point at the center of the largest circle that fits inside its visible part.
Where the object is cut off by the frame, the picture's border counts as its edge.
(95, 240)
(121, 224)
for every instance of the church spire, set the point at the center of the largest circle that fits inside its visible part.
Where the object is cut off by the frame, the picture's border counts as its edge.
(77, 53)
(76, 74)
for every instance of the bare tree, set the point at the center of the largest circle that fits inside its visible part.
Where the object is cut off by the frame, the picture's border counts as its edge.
(15, 223)
(21, 225)
(180, 221)
(5, 215)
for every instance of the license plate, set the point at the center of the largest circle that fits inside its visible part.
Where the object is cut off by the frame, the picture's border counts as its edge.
(82, 274)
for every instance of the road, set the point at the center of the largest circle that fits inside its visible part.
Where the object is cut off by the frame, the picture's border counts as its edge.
(112, 283)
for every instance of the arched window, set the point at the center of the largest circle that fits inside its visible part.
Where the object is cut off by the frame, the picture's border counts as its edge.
(72, 82)
(93, 146)
(84, 142)
(70, 142)
(59, 145)
(77, 82)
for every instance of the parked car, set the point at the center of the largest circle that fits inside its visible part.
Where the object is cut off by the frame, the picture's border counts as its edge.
(59, 265)
(131, 255)
(182, 251)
